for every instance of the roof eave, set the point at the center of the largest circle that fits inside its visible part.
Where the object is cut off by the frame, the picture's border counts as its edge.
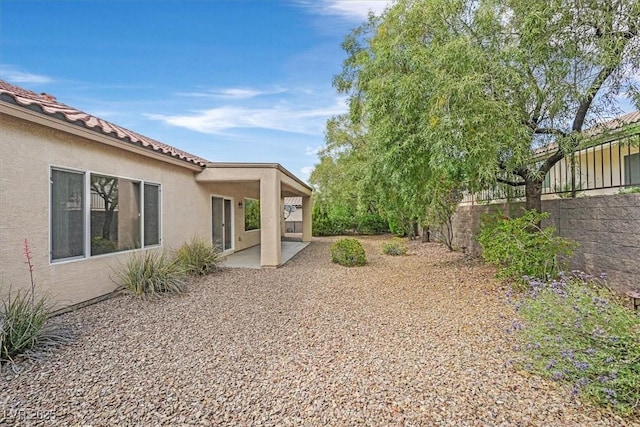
(259, 166)
(64, 126)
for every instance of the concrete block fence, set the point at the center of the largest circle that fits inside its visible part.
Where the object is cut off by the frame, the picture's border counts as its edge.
(607, 228)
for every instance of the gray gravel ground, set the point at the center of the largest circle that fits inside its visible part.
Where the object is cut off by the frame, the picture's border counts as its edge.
(413, 340)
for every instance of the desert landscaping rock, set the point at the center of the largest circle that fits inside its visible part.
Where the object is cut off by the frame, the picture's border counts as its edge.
(406, 340)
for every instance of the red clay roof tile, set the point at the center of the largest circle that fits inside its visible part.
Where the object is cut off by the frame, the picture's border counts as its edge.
(48, 105)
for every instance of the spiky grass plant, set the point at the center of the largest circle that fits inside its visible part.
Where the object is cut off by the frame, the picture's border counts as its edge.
(24, 330)
(151, 273)
(198, 257)
(21, 323)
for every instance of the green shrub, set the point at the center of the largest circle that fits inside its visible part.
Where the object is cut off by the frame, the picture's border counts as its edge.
(151, 273)
(348, 252)
(519, 247)
(371, 223)
(100, 245)
(332, 220)
(198, 257)
(395, 246)
(576, 331)
(251, 214)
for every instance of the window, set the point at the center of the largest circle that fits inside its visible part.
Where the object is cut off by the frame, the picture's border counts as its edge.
(119, 212)
(251, 214)
(632, 169)
(151, 214)
(67, 214)
(115, 214)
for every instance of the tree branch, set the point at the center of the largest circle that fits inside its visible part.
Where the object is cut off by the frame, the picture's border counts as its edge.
(511, 183)
(549, 131)
(585, 104)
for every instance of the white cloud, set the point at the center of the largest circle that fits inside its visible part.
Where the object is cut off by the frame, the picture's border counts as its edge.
(281, 118)
(313, 151)
(11, 74)
(356, 10)
(233, 93)
(306, 172)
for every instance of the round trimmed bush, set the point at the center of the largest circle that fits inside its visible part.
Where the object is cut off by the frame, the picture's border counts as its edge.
(348, 252)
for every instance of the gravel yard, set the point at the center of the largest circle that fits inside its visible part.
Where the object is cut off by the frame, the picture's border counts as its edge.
(413, 340)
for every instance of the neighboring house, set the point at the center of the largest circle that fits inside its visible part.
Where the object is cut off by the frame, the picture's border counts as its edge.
(293, 214)
(607, 162)
(85, 193)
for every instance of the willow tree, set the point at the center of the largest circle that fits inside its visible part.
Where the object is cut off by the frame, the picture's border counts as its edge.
(469, 90)
(343, 198)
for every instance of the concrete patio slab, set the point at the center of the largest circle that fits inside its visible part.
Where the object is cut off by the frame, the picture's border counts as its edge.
(250, 258)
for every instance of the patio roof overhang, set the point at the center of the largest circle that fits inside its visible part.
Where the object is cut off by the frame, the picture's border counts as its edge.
(292, 186)
(271, 182)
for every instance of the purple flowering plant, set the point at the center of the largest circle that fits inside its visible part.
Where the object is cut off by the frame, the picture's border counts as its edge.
(576, 330)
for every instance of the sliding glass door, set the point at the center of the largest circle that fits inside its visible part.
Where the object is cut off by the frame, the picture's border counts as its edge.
(222, 223)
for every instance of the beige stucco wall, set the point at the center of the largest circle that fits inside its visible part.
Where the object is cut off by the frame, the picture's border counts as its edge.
(237, 192)
(28, 152)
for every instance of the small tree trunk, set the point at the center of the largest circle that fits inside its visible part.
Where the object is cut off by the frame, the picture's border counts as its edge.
(426, 234)
(533, 192)
(415, 229)
(108, 220)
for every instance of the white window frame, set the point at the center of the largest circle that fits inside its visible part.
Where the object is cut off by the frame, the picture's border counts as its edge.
(87, 214)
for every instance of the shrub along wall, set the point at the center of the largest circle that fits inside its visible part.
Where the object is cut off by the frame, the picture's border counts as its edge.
(607, 228)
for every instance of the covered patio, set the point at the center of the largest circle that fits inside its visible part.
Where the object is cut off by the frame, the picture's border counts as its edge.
(250, 258)
(269, 183)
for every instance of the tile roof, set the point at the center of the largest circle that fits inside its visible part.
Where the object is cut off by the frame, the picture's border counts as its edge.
(48, 105)
(598, 129)
(613, 124)
(293, 201)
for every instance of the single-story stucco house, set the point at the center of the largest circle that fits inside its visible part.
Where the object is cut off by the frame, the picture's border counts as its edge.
(86, 193)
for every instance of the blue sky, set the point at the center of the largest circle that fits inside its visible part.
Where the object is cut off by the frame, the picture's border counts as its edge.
(227, 80)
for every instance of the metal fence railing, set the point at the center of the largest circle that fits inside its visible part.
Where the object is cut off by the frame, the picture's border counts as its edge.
(605, 168)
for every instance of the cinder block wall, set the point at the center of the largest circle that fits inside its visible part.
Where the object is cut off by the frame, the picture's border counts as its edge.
(607, 229)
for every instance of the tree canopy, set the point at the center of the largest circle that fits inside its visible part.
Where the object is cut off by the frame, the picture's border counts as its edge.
(458, 94)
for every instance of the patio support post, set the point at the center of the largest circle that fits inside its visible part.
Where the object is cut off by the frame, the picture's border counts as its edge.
(270, 213)
(306, 218)
(282, 224)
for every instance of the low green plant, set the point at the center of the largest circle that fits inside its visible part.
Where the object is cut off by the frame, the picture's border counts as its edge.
(100, 245)
(395, 246)
(198, 257)
(519, 247)
(151, 273)
(251, 214)
(21, 324)
(371, 223)
(576, 331)
(629, 190)
(348, 252)
(23, 321)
